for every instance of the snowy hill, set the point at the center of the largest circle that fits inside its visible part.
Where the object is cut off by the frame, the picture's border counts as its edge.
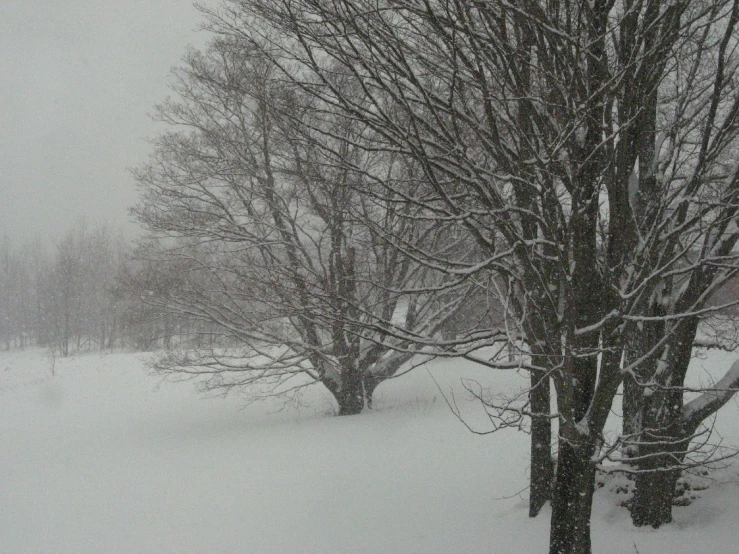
(102, 457)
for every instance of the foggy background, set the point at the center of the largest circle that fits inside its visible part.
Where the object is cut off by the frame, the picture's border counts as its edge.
(78, 79)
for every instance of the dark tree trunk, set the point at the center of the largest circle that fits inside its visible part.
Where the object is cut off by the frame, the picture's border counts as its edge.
(642, 339)
(542, 468)
(574, 483)
(350, 396)
(572, 500)
(661, 453)
(632, 409)
(652, 503)
(664, 438)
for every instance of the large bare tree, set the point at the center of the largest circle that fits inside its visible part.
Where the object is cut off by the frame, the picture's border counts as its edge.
(252, 202)
(586, 147)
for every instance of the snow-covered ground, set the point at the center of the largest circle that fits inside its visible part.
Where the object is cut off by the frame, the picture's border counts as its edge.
(102, 457)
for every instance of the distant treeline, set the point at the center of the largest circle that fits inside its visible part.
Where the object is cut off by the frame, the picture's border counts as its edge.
(83, 292)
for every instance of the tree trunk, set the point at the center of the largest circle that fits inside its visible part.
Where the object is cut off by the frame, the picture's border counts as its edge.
(664, 439)
(542, 468)
(111, 334)
(572, 500)
(632, 410)
(642, 339)
(65, 339)
(370, 384)
(652, 503)
(350, 395)
(661, 452)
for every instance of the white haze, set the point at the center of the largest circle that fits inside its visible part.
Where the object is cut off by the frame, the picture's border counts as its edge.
(77, 80)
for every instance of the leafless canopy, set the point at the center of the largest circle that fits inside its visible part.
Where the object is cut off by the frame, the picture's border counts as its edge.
(587, 148)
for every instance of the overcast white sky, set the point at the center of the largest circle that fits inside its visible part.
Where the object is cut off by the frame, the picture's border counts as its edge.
(77, 80)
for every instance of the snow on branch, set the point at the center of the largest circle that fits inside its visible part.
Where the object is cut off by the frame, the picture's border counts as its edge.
(698, 409)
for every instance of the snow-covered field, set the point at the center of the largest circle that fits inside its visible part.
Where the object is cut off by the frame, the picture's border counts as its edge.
(102, 457)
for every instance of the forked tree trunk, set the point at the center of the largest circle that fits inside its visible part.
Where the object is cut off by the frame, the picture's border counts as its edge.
(663, 452)
(542, 468)
(370, 384)
(574, 482)
(572, 500)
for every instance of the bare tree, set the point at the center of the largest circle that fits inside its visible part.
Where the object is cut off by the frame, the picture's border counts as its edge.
(77, 307)
(61, 298)
(15, 296)
(258, 215)
(585, 147)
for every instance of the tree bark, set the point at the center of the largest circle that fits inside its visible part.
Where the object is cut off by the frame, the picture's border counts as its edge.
(662, 447)
(574, 484)
(642, 339)
(542, 468)
(655, 488)
(350, 396)
(370, 384)
(663, 438)
(572, 500)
